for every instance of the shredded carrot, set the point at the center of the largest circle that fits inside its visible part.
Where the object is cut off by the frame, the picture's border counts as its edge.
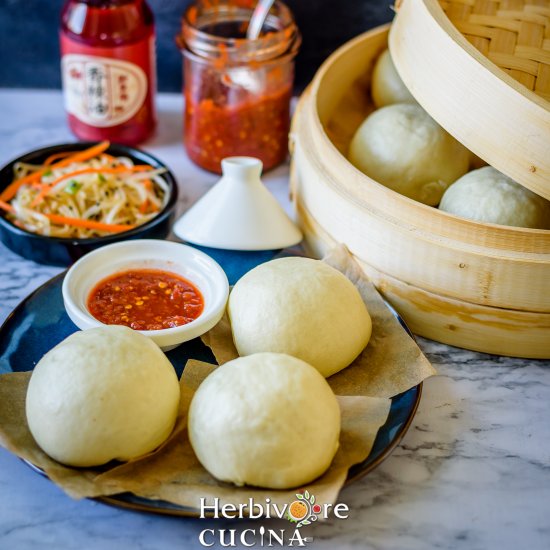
(88, 224)
(5, 206)
(148, 184)
(40, 197)
(10, 191)
(76, 222)
(118, 170)
(56, 156)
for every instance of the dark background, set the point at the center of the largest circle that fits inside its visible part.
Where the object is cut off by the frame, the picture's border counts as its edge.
(29, 51)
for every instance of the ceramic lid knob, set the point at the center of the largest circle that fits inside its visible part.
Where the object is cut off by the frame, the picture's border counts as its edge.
(243, 168)
(238, 213)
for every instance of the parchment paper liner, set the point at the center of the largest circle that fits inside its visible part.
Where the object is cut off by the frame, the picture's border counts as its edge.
(391, 364)
(172, 472)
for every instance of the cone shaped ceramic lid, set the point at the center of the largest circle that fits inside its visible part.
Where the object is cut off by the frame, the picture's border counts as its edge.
(238, 213)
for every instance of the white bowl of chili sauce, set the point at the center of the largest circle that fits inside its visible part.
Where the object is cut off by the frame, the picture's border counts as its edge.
(170, 292)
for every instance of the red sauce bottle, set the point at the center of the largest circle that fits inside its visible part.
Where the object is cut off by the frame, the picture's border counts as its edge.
(108, 69)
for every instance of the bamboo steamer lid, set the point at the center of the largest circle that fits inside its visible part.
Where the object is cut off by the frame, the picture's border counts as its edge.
(481, 69)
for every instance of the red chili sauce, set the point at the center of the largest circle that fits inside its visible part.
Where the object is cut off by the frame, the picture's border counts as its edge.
(145, 299)
(257, 127)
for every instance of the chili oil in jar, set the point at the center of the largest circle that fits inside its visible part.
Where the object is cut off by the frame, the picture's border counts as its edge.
(237, 91)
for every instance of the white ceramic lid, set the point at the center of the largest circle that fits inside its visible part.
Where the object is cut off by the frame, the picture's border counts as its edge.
(238, 213)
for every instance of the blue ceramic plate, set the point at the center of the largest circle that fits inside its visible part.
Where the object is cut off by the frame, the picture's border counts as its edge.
(40, 322)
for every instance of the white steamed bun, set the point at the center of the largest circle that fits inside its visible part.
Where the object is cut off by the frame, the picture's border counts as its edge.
(102, 394)
(268, 420)
(403, 148)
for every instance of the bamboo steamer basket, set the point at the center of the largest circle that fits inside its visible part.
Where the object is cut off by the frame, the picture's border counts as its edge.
(492, 89)
(479, 286)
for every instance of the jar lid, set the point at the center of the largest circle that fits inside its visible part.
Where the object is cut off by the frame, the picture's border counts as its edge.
(483, 73)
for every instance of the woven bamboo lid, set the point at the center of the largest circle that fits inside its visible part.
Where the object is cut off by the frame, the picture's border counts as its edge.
(481, 68)
(513, 34)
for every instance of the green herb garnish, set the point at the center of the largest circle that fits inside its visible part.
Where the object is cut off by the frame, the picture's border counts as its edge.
(72, 187)
(101, 178)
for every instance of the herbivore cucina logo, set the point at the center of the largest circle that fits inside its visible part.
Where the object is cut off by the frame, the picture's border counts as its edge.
(300, 512)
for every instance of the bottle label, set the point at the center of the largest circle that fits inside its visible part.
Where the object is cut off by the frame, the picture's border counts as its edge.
(105, 90)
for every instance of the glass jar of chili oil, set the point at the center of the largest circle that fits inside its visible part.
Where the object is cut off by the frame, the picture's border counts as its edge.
(237, 91)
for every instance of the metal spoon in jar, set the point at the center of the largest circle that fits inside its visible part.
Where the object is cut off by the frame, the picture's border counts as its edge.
(242, 77)
(258, 19)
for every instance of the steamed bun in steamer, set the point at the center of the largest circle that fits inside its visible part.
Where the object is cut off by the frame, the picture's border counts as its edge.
(387, 87)
(403, 148)
(268, 420)
(489, 196)
(301, 307)
(106, 393)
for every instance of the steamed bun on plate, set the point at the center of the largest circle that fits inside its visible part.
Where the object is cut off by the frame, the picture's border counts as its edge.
(301, 307)
(268, 420)
(102, 394)
(487, 195)
(387, 87)
(403, 148)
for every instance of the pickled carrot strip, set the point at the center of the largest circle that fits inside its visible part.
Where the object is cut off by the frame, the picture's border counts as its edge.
(5, 206)
(88, 224)
(56, 156)
(148, 184)
(118, 170)
(10, 191)
(76, 222)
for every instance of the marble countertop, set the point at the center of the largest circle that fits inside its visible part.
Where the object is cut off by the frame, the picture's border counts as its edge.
(472, 473)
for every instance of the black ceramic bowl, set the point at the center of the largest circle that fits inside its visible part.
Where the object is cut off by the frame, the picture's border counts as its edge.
(64, 251)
